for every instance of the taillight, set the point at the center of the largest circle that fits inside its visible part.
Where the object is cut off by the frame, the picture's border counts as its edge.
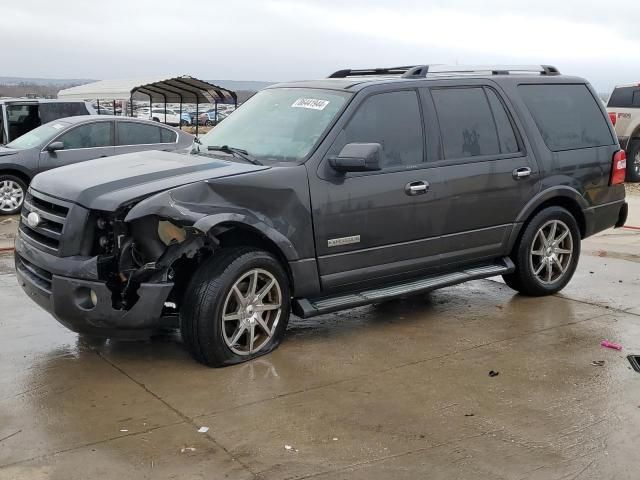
(619, 168)
(613, 116)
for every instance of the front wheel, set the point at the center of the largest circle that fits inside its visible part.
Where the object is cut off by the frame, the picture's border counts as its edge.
(236, 307)
(547, 254)
(12, 191)
(633, 162)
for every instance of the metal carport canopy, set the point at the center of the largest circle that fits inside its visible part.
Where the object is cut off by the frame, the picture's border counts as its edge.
(180, 89)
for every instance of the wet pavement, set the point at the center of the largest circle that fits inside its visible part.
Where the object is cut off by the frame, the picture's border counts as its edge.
(399, 390)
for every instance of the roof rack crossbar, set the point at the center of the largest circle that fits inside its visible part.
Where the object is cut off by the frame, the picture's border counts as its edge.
(369, 71)
(421, 71)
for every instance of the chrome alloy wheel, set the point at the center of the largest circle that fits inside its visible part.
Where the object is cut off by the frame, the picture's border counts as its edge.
(11, 195)
(251, 312)
(551, 251)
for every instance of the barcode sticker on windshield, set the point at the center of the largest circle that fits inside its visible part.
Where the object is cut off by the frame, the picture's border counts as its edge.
(57, 126)
(312, 103)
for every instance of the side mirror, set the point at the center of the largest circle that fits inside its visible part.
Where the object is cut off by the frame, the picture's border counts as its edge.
(55, 146)
(357, 157)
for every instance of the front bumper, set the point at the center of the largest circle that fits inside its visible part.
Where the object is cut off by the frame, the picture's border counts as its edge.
(52, 283)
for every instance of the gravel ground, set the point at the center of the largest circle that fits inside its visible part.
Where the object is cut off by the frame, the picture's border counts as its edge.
(633, 188)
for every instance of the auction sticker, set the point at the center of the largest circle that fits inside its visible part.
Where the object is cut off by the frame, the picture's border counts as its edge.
(312, 103)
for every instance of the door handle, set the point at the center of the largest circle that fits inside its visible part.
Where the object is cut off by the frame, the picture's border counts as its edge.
(522, 172)
(416, 188)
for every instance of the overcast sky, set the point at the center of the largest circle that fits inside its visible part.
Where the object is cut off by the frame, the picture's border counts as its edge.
(284, 40)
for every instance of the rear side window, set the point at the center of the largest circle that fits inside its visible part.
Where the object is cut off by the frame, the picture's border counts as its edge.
(393, 120)
(50, 111)
(133, 133)
(91, 135)
(567, 116)
(168, 136)
(466, 122)
(624, 97)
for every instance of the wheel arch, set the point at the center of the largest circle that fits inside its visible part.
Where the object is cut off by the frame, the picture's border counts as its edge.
(16, 173)
(565, 197)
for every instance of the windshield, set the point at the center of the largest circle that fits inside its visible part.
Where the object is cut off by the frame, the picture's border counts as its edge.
(37, 136)
(280, 124)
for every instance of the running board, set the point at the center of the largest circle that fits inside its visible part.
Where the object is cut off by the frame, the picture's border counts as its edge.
(306, 308)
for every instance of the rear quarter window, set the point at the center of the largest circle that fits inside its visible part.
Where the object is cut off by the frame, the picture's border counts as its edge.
(623, 97)
(50, 111)
(567, 116)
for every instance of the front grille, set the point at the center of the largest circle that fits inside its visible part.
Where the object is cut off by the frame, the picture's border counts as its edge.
(39, 276)
(53, 214)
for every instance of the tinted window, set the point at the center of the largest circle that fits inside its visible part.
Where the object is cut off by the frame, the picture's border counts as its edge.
(88, 136)
(55, 110)
(168, 136)
(622, 97)
(466, 124)
(392, 120)
(567, 116)
(635, 100)
(130, 133)
(506, 135)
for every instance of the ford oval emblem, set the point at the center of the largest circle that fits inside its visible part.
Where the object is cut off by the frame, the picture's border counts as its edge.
(33, 219)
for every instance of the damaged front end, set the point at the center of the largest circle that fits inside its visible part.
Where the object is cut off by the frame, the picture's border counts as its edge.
(122, 278)
(147, 250)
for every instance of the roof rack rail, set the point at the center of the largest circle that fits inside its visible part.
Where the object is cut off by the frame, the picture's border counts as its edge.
(421, 71)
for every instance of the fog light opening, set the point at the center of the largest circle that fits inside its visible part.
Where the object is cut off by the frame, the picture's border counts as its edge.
(86, 298)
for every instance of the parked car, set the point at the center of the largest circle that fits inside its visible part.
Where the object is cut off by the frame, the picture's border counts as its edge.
(76, 139)
(319, 196)
(172, 118)
(104, 110)
(210, 118)
(19, 115)
(624, 111)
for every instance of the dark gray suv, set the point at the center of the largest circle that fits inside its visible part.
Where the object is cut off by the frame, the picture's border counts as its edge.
(323, 195)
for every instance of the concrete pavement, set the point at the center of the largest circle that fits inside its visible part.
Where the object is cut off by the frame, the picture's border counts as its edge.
(400, 390)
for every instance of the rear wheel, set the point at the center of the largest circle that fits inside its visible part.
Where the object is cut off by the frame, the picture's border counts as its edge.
(547, 254)
(208, 123)
(236, 307)
(12, 191)
(633, 162)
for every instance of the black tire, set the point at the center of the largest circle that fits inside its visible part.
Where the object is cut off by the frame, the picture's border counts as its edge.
(11, 179)
(524, 279)
(156, 119)
(201, 323)
(208, 123)
(633, 162)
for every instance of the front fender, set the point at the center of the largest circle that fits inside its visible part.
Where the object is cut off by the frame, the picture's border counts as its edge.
(205, 217)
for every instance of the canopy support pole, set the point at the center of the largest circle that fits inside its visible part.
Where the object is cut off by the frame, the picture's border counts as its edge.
(131, 103)
(114, 106)
(216, 111)
(98, 103)
(180, 124)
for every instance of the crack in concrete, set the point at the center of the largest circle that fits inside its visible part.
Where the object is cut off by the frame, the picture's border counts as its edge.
(90, 444)
(185, 418)
(394, 456)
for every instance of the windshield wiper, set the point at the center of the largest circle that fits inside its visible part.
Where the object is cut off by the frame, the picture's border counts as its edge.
(238, 152)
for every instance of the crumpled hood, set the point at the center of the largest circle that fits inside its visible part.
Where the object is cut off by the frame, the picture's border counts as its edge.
(107, 183)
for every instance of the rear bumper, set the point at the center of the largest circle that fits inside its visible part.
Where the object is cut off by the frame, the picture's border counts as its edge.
(602, 217)
(68, 299)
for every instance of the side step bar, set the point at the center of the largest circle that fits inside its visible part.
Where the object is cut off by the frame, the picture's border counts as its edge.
(306, 308)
